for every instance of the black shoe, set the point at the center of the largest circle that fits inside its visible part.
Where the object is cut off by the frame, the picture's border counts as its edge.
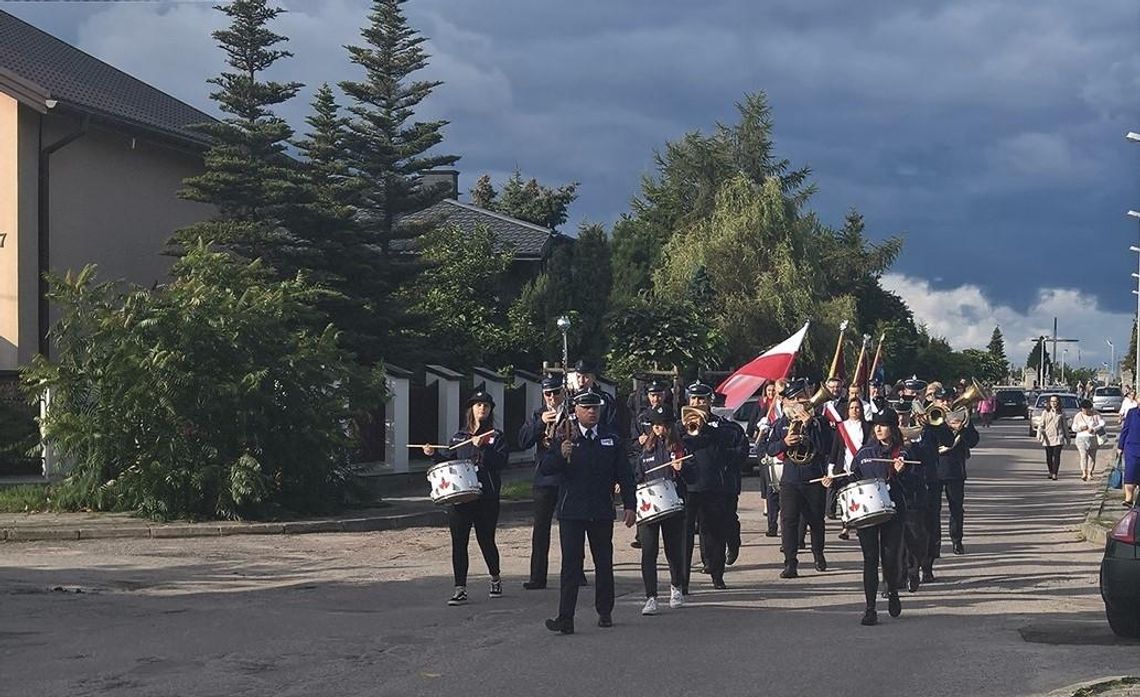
(605, 621)
(705, 570)
(772, 532)
(636, 544)
(912, 582)
(781, 549)
(894, 605)
(820, 563)
(845, 535)
(533, 585)
(718, 583)
(560, 625)
(789, 571)
(928, 575)
(870, 618)
(732, 555)
(959, 548)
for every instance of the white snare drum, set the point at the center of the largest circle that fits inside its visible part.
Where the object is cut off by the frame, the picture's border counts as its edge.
(657, 500)
(775, 471)
(865, 503)
(454, 481)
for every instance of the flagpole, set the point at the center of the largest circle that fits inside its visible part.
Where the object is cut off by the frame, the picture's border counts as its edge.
(838, 351)
(875, 362)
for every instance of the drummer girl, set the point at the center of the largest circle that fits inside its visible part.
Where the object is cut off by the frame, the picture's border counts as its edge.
(882, 458)
(487, 448)
(662, 447)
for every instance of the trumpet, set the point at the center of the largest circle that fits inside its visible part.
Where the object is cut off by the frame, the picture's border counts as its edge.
(694, 419)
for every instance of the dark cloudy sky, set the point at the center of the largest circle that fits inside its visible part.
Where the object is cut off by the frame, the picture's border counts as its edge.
(989, 132)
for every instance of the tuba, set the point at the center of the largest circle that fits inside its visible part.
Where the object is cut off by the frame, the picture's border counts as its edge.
(960, 406)
(803, 452)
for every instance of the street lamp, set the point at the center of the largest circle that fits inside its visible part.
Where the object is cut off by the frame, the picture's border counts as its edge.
(1112, 356)
(1064, 355)
(1136, 368)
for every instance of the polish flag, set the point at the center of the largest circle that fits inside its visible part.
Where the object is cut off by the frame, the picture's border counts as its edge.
(773, 364)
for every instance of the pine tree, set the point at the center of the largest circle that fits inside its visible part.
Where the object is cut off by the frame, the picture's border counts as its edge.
(483, 193)
(592, 277)
(248, 175)
(1129, 361)
(1033, 360)
(388, 152)
(996, 347)
(526, 199)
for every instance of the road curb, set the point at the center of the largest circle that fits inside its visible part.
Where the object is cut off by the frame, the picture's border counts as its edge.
(435, 517)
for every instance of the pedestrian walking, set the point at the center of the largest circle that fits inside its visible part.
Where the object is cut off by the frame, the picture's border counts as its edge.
(661, 464)
(986, 409)
(1089, 428)
(1128, 446)
(1053, 434)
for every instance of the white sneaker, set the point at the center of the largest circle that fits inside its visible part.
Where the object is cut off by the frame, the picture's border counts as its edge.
(676, 598)
(650, 607)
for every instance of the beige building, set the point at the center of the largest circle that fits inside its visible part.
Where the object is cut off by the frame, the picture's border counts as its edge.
(91, 161)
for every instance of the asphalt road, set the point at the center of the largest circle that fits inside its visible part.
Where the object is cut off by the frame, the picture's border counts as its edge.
(365, 614)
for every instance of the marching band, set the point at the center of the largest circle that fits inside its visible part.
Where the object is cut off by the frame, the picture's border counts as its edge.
(882, 466)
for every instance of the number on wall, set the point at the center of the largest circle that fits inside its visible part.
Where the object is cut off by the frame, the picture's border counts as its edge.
(3, 237)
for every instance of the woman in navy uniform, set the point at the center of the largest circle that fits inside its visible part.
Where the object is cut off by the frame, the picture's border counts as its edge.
(799, 496)
(663, 446)
(533, 434)
(489, 453)
(882, 458)
(590, 460)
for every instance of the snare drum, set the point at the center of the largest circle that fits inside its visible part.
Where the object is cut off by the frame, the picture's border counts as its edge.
(454, 481)
(865, 503)
(657, 500)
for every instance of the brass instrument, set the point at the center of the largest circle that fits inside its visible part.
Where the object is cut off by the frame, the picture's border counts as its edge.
(974, 393)
(803, 452)
(694, 419)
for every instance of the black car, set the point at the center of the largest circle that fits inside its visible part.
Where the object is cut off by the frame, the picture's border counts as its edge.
(1011, 402)
(1120, 577)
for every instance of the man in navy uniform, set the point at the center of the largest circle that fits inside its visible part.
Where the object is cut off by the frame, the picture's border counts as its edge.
(955, 437)
(533, 434)
(590, 463)
(798, 495)
(587, 373)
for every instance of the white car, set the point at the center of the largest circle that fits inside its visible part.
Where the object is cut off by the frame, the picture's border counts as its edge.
(1107, 399)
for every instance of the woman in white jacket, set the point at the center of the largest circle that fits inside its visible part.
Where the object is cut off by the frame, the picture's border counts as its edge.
(1089, 427)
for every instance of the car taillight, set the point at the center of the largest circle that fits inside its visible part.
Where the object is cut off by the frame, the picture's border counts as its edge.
(1125, 528)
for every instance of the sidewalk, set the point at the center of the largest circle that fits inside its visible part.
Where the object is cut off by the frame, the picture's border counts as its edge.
(396, 512)
(1104, 511)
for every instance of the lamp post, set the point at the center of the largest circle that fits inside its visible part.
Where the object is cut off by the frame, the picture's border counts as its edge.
(1136, 368)
(1064, 355)
(1112, 358)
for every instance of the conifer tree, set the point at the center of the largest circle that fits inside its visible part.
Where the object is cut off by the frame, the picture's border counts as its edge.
(388, 152)
(996, 347)
(248, 175)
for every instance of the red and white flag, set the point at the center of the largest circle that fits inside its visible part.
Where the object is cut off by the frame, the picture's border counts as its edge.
(773, 364)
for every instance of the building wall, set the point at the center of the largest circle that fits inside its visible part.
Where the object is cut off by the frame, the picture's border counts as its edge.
(113, 202)
(9, 242)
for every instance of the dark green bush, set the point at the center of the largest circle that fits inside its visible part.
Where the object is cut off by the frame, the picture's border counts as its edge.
(211, 396)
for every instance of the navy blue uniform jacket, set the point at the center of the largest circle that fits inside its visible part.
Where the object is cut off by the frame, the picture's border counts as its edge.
(719, 452)
(530, 435)
(952, 464)
(588, 479)
(817, 435)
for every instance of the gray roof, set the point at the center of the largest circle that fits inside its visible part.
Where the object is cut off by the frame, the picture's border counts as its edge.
(36, 66)
(525, 240)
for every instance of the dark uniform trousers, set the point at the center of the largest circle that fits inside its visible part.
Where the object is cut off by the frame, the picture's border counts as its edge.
(710, 511)
(483, 514)
(672, 534)
(955, 494)
(806, 500)
(881, 544)
(573, 535)
(916, 543)
(545, 501)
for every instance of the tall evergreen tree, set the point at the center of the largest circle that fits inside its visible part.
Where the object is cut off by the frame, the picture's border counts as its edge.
(389, 152)
(1033, 360)
(996, 347)
(1129, 361)
(526, 199)
(248, 175)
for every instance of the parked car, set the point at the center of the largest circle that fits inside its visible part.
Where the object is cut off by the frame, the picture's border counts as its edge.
(1107, 399)
(1120, 576)
(1011, 401)
(1069, 402)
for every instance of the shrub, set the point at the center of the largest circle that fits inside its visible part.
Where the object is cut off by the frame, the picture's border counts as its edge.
(211, 396)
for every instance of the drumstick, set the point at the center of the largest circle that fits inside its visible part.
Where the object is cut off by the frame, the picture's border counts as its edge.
(837, 475)
(448, 447)
(668, 464)
(883, 459)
